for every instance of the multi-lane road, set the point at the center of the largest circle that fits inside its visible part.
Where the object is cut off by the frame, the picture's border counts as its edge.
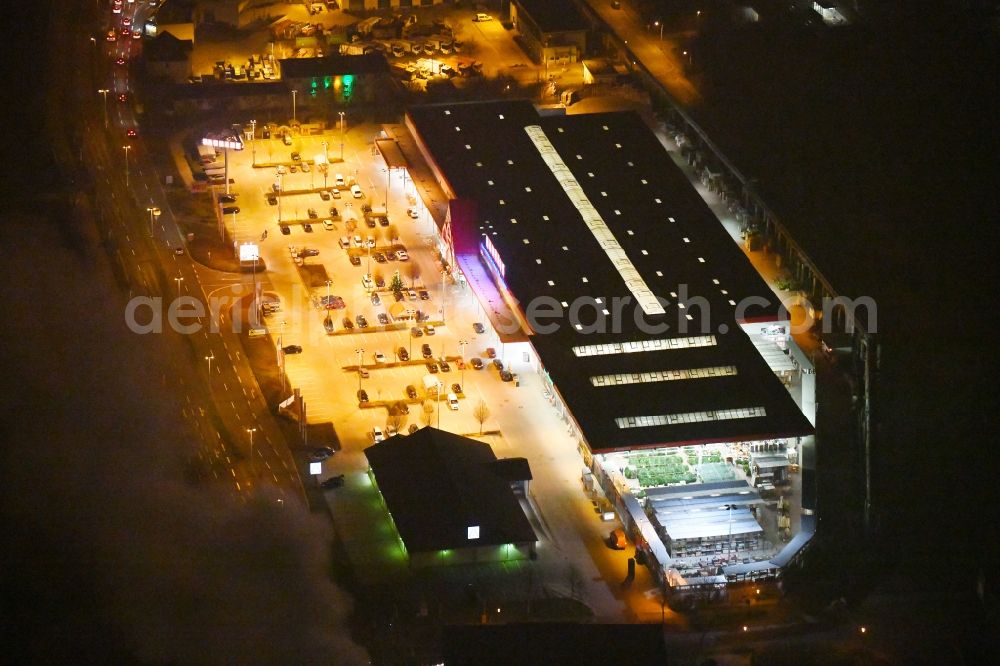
(223, 407)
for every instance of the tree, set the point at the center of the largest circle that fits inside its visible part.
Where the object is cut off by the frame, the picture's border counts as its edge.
(392, 231)
(395, 420)
(413, 272)
(397, 283)
(351, 224)
(481, 413)
(428, 411)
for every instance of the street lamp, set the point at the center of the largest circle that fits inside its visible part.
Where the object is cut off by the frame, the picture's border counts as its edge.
(251, 431)
(341, 136)
(209, 358)
(154, 212)
(359, 351)
(126, 148)
(660, 25)
(105, 91)
(294, 93)
(178, 280)
(326, 163)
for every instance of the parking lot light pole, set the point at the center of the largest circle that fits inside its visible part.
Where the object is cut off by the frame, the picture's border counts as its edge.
(294, 93)
(209, 358)
(341, 136)
(440, 387)
(105, 91)
(462, 344)
(253, 143)
(178, 280)
(359, 351)
(326, 163)
(154, 213)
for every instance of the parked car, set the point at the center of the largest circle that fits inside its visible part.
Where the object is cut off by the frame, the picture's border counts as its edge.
(379, 357)
(411, 392)
(452, 401)
(429, 329)
(498, 364)
(445, 366)
(412, 295)
(333, 482)
(403, 354)
(292, 349)
(506, 375)
(362, 322)
(295, 156)
(413, 428)
(478, 328)
(328, 225)
(377, 434)
(366, 282)
(356, 192)
(456, 388)
(335, 193)
(285, 230)
(380, 282)
(491, 352)
(310, 252)
(355, 260)
(324, 195)
(375, 299)
(413, 213)
(321, 453)
(424, 295)
(370, 222)
(230, 210)
(308, 228)
(333, 211)
(305, 167)
(362, 396)
(425, 349)
(312, 213)
(383, 319)
(348, 324)
(432, 368)
(476, 363)
(379, 257)
(402, 256)
(228, 198)
(416, 332)
(272, 200)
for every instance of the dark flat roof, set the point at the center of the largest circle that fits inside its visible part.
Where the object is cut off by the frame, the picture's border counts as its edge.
(554, 15)
(669, 235)
(333, 65)
(436, 485)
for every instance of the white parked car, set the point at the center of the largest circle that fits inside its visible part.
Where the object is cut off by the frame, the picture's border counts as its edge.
(413, 212)
(402, 256)
(356, 191)
(453, 401)
(377, 434)
(379, 357)
(366, 282)
(339, 180)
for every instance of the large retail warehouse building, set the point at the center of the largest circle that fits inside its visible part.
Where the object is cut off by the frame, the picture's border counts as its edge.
(656, 338)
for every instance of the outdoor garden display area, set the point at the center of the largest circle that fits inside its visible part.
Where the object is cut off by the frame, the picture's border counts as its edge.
(682, 466)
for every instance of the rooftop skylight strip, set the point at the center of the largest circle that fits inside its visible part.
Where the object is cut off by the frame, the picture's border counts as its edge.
(643, 294)
(690, 417)
(663, 376)
(647, 344)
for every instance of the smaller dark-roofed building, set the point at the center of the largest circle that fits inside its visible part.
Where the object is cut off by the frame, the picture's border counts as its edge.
(516, 472)
(449, 499)
(552, 30)
(554, 644)
(340, 79)
(167, 57)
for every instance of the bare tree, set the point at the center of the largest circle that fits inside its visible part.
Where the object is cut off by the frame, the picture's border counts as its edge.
(351, 224)
(392, 231)
(481, 413)
(413, 272)
(428, 411)
(395, 420)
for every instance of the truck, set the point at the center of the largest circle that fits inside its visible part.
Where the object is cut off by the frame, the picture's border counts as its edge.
(431, 384)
